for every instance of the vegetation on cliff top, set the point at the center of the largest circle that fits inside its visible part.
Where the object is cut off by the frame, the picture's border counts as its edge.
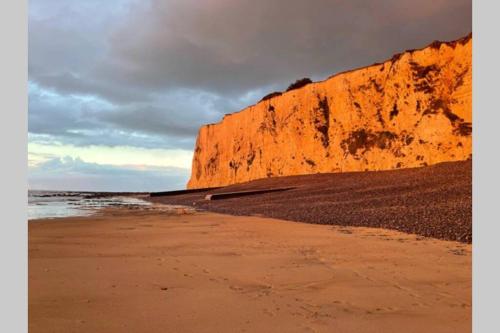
(299, 84)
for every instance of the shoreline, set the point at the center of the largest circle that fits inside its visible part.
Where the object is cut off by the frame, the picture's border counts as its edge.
(145, 270)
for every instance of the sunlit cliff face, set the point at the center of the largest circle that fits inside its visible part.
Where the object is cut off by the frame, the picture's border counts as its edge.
(410, 111)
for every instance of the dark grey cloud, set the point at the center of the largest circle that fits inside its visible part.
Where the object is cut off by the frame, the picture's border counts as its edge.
(230, 47)
(148, 73)
(83, 176)
(170, 123)
(179, 113)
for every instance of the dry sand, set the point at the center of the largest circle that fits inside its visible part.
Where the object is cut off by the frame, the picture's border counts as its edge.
(147, 271)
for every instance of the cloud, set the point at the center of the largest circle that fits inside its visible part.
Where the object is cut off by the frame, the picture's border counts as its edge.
(68, 173)
(229, 47)
(149, 73)
(171, 122)
(118, 155)
(225, 47)
(177, 113)
(125, 50)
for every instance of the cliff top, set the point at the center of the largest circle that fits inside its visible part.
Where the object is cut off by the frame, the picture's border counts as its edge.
(436, 44)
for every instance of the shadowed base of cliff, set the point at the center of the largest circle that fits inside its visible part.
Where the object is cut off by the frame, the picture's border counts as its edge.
(433, 201)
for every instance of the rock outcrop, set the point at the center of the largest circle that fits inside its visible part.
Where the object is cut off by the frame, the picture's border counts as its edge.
(412, 110)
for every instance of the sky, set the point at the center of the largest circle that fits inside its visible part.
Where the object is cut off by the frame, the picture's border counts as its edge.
(119, 88)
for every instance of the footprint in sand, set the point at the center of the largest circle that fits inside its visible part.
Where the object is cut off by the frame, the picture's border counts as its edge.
(344, 231)
(269, 312)
(255, 289)
(458, 252)
(309, 329)
(409, 291)
(381, 310)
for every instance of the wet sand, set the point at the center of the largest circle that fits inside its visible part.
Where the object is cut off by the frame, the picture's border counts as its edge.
(146, 271)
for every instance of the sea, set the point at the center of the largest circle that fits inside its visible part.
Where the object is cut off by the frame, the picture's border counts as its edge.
(54, 204)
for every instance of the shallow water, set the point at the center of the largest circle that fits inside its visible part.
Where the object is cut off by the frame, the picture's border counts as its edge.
(51, 204)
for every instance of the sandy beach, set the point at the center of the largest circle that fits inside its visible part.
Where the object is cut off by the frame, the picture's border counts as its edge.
(141, 270)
